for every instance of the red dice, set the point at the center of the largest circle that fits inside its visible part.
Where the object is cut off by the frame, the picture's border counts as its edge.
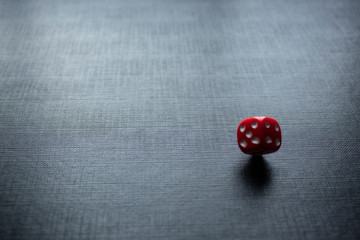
(259, 135)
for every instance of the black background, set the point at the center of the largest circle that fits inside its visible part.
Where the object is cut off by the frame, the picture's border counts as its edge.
(118, 119)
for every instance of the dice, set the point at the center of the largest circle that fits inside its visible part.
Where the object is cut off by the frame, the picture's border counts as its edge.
(259, 135)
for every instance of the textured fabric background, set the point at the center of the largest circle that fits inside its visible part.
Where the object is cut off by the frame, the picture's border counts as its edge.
(118, 119)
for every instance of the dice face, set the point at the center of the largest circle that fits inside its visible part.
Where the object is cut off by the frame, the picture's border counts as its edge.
(259, 135)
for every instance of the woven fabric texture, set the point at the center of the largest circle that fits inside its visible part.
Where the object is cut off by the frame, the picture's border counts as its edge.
(118, 119)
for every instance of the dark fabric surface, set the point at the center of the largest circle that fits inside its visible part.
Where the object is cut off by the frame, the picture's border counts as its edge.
(118, 119)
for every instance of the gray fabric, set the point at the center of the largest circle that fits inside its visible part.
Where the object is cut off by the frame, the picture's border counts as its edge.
(118, 119)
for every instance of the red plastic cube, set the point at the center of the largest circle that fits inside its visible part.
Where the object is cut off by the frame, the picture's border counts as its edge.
(259, 135)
